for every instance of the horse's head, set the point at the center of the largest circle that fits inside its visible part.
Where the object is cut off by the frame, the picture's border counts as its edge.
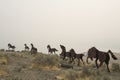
(63, 47)
(25, 44)
(32, 44)
(9, 44)
(109, 51)
(48, 46)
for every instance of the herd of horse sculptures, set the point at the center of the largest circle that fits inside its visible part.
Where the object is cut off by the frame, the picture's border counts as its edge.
(93, 53)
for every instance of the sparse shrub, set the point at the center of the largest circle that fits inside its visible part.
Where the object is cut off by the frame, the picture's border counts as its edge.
(4, 59)
(91, 74)
(106, 78)
(116, 67)
(94, 78)
(46, 61)
(69, 75)
(85, 72)
(3, 72)
(2, 50)
(72, 75)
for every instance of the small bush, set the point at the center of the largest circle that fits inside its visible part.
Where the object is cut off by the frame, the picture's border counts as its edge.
(85, 72)
(4, 59)
(116, 67)
(2, 50)
(46, 62)
(69, 75)
(72, 75)
(3, 72)
(106, 78)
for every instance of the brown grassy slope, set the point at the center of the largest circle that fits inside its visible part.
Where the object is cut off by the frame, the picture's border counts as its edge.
(23, 66)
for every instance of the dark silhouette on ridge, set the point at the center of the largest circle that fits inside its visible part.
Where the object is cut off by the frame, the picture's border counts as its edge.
(51, 50)
(101, 56)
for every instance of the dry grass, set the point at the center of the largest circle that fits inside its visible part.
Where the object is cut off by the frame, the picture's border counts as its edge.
(4, 59)
(46, 62)
(85, 73)
(115, 67)
(3, 72)
(24, 66)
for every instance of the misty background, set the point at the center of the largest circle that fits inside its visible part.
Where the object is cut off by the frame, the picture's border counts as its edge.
(78, 24)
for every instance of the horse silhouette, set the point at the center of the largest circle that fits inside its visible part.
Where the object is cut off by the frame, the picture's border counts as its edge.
(77, 56)
(11, 46)
(33, 49)
(65, 54)
(26, 47)
(51, 50)
(101, 56)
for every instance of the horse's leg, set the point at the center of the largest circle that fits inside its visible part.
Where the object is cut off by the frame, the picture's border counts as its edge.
(71, 59)
(64, 56)
(107, 63)
(82, 60)
(51, 52)
(101, 63)
(78, 62)
(74, 60)
(87, 60)
(96, 63)
(91, 59)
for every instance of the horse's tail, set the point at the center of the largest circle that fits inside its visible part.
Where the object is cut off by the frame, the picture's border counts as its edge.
(113, 56)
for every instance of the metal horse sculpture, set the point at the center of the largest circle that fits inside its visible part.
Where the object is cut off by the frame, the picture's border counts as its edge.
(26, 47)
(77, 56)
(51, 50)
(11, 46)
(33, 49)
(65, 54)
(101, 56)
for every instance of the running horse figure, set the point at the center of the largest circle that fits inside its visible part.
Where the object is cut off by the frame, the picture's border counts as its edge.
(33, 49)
(11, 46)
(65, 54)
(26, 47)
(77, 56)
(101, 56)
(51, 50)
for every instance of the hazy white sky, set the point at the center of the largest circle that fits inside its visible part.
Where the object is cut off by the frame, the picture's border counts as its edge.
(78, 24)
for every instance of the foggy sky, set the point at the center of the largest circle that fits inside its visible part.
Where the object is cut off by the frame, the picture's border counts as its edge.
(78, 24)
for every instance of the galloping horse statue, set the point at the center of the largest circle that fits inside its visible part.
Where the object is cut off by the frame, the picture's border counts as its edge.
(77, 56)
(51, 50)
(26, 47)
(33, 49)
(11, 46)
(101, 56)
